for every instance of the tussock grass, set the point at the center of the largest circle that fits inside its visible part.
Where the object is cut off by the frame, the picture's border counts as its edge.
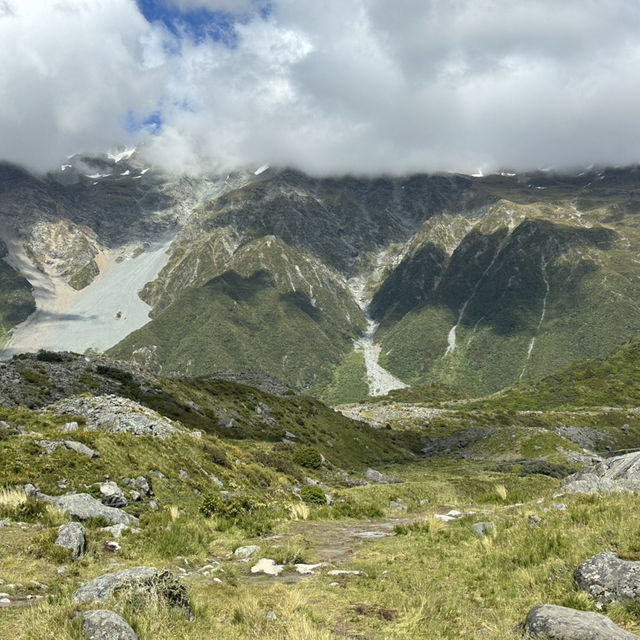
(11, 499)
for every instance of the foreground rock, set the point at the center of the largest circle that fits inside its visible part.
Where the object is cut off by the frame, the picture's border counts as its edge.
(114, 414)
(621, 473)
(268, 567)
(113, 496)
(145, 581)
(100, 624)
(608, 579)
(560, 623)
(72, 536)
(82, 506)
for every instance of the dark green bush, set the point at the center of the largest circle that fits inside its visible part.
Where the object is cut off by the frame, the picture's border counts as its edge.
(313, 495)
(307, 457)
(52, 356)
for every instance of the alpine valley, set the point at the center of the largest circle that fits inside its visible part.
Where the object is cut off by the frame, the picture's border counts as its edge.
(341, 287)
(270, 405)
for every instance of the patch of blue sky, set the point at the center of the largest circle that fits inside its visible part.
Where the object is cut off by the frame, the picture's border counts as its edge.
(201, 24)
(151, 122)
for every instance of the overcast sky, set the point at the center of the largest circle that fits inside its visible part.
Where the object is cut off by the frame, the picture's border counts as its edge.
(327, 86)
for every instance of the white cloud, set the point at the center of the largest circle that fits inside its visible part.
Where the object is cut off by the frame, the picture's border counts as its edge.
(329, 87)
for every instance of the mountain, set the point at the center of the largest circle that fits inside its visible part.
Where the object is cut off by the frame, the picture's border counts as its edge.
(341, 286)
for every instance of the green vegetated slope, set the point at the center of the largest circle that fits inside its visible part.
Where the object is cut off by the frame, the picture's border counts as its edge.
(273, 309)
(16, 299)
(531, 288)
(610, 381)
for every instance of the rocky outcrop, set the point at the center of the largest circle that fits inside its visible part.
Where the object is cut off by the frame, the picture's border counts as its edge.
(621, 473)
(100, 624)
(608, 579)
(72, 536)
(551, 622)
(114, 414)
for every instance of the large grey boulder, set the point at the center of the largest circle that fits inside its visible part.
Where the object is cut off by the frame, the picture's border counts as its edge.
(72, 535)
(373, 475)
(82, 506)
(621, 473)
(560, 623)
(607, 578)
(146, 581)
(100, 624)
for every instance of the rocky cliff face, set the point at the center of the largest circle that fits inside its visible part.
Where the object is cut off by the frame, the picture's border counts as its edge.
(472, 282)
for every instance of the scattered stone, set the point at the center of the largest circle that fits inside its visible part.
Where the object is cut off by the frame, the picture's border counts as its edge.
(534, 522)
(608, 579)
(245, 553)
(141, 579)
(268, 567)
(559, 506)
(135, 496)
(141, 484)
(113, 496)
(397, 505)
(308, 569)
(157, 474)
(184, 475)
(345, 572)
(311, 481)
(72, 535)
(481, 529)
(80, 448)
(271, 615)
(621, 473)
(290, 436)
(112, 546)
(371, 535)
(625, 428)
(70, 426)
(5, 523)
(115, 414)
(444, 517)
(5, 601)
(100, 624)
(83, 506)
(4, 595)
(153, 505)
(40, 585)
(560, 623)
(61, 570)
(49, 446)
(373, 475)
(116, 530)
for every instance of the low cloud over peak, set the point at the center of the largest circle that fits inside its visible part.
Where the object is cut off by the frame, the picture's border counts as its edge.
(359, 86)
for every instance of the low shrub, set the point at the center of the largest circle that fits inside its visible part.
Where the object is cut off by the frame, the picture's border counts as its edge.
(307, 457)
(313, 495)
